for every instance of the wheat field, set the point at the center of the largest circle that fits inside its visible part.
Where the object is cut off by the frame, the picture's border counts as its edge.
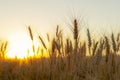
(68, 59)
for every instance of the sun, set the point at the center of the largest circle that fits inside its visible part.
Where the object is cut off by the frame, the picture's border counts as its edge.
(19, 44)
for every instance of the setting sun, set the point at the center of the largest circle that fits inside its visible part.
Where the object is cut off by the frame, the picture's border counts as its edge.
(24, 45)
(19, 44)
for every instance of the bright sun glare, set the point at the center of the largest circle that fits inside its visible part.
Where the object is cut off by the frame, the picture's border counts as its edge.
(19, 44)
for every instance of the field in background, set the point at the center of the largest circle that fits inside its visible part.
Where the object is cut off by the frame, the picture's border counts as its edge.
(68, 59)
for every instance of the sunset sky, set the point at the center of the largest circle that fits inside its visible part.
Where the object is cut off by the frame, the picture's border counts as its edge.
(44, 15)
(101, 16)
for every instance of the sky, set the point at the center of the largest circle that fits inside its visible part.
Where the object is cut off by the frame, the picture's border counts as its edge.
(44, 15)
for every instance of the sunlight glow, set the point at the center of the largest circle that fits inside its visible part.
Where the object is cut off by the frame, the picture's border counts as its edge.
(20, 46)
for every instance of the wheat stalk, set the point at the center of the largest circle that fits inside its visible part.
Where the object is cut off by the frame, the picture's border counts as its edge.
(113, 42)
(48, 37)
(30, 31)
(76, 34)
(89, 41)
(107, 48)
(42, 42)
(95, 47)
